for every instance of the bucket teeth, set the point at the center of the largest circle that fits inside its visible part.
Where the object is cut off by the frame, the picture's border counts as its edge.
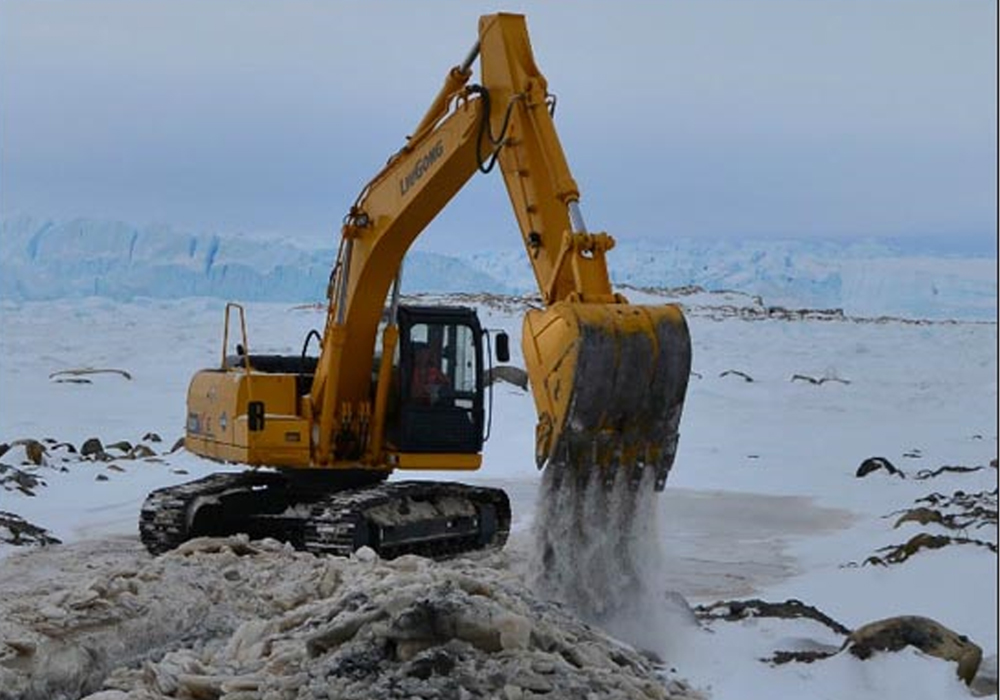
(609, 382)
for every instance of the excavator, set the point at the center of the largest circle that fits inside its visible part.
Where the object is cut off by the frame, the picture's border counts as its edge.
(322, 433)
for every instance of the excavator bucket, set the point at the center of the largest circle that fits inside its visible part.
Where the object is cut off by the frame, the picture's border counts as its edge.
(609, 382)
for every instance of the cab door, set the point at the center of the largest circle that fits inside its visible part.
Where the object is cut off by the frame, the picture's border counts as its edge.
(440, 385)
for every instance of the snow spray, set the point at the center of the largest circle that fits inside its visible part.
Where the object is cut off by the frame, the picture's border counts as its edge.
(597, 551)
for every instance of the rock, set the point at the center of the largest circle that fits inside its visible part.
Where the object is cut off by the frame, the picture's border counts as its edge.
(13, 478)
(35, 451)
(743, 609)
(920, 515)
(141, 452)
(17, 531)
(930, 637)
(92, 448)
(508, 373)
(874, 464)
(151, 437)
(121, 446)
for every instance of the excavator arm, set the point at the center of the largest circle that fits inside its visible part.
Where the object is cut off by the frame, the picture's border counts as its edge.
(608, 377)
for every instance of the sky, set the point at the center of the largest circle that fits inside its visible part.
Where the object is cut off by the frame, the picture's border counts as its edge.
(708, 120)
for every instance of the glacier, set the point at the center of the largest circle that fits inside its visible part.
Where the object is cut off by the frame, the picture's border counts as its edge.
(43, 259)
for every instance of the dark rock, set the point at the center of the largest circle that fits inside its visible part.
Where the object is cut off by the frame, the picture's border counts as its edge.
(23, 533)
(930, 637)
(873, 464)
(92, 448)
(121, 446)
(3, 448)
(791, 609)
(151, 437)
(141, 452)
(931, 473)
(508, 373)
(14, 478)
(921, 515)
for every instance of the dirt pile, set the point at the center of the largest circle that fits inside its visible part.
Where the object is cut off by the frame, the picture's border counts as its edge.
(238, 620)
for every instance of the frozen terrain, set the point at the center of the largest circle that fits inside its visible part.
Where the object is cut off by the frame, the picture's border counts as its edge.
(41, 259)
(763, 503)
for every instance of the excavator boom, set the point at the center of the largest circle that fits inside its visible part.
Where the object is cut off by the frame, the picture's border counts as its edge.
(608, 377)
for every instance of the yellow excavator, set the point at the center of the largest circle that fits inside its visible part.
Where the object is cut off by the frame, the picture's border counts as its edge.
(398, 387)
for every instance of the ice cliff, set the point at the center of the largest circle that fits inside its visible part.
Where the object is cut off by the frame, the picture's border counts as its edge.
(49, 260)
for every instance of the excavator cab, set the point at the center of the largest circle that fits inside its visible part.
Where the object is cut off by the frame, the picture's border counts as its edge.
(436, 403)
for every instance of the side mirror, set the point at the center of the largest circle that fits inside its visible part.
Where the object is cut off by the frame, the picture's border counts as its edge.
(503, 347)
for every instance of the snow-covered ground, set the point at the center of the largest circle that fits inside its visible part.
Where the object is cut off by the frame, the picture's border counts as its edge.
(763, 501)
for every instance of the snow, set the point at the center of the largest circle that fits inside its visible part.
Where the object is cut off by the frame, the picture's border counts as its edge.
(762, 502)
(42, 259)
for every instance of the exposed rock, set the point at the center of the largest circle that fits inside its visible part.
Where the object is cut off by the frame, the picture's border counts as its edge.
(817, 381)
(17, 531)
(33, 451)
(921, 515)
(734, 372)
(790, 609)
(121, 446)
(12, 478)
(873, 464)
(141, 452)
(901, 552)
(93, 447)
(55, 376)
(930, 637)
(930, 474)
(508, 373)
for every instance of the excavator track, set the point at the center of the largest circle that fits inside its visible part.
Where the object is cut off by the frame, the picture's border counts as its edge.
(432, 519)
(164, 521)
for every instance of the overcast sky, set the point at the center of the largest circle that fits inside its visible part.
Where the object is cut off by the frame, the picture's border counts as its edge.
(815, 118)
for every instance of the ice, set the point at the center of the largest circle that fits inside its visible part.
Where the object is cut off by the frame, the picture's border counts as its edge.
(54, 259)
